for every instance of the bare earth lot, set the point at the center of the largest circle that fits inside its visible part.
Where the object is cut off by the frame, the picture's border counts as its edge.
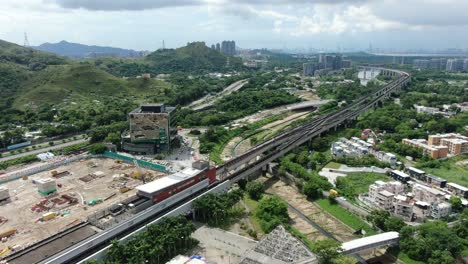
(24, 195)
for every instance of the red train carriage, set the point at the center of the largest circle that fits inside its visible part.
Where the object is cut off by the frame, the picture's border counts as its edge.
(163, 188)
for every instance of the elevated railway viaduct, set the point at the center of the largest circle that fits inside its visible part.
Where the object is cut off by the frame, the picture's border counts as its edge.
(233, 170)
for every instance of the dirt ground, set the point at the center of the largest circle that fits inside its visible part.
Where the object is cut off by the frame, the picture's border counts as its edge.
(341, 231)
(219, 246)
(24, 195)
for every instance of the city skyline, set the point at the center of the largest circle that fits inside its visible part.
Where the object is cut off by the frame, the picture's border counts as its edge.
(144, 24)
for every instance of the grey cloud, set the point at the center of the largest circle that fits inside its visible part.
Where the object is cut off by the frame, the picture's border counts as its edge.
(423, 12)
(117, 5)
(133, 5)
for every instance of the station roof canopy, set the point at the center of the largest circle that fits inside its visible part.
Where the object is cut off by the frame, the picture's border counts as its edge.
(162, 183)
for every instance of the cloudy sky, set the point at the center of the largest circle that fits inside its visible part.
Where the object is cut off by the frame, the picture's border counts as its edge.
(143, 24)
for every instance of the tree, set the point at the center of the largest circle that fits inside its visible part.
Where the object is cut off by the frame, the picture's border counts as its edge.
(441, 257)
(461, 229)
(421, 242)
(97, 148)
(254, 189)
(378, 217)
(456, 203)
(114, 138)
(394, 224)
(272, 211)
(327, 250)
(312, 190)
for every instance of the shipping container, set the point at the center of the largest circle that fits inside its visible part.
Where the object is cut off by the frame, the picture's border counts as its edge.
(19, 145)
(7, 233)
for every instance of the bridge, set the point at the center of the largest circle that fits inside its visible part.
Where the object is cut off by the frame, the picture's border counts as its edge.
(230, 172)
(370, 242)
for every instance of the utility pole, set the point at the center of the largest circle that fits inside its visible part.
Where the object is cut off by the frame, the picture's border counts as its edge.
(26, 41)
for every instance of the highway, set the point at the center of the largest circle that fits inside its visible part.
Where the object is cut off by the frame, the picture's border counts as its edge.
(252, 161)
(42, 150)
(209, 100)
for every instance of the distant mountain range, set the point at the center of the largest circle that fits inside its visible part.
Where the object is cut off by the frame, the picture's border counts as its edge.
(80, 51)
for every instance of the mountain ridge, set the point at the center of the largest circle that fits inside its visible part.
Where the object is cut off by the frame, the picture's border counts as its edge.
(81, 51)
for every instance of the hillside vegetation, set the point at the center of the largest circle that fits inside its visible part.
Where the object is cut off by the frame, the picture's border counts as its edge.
(193, 58)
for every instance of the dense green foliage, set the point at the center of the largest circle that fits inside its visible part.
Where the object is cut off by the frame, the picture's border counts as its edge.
(427, 241)
(254, 189)
(345, 91)
(288, 164)
(381, 219)
(22, 160)
(217, 209)
(237, 105)
(194, 57)
(328, 252)
(272, 211)
(97, 148)
(158, 243)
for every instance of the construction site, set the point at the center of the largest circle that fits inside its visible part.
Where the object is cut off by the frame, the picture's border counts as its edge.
(38, 206)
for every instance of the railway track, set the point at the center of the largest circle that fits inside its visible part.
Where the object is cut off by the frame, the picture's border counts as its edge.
(269, 150)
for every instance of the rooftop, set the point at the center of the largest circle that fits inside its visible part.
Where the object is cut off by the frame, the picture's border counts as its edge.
(167, 181)
(458, 186)
(416, 170)
(386, 193)
(357, 243)
(400, 173)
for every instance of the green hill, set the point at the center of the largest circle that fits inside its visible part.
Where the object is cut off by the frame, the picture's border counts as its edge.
(18, 65)
(30, 78)
(194, 57)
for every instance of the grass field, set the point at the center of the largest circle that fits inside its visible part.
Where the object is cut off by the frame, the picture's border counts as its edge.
(355, 183)
(333, 165)
(453, 170)
(252, 204)
(344, 216)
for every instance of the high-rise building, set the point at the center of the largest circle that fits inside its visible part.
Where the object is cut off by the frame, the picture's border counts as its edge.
(213, 46)
(337, 62)
(454, 65)
(218, 47)
(465, 64)
(228, 47)
(308, 69)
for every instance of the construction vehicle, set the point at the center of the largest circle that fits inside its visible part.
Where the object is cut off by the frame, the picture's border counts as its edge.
(124, 189)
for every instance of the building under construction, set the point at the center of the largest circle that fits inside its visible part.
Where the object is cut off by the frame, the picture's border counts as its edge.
(152, 129)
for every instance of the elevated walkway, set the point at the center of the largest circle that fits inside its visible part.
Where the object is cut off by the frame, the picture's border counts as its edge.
(370, 242)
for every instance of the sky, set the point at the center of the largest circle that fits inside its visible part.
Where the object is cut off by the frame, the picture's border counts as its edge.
(275, 24)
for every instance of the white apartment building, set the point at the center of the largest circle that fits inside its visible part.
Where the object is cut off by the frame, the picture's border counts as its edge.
(440, 210)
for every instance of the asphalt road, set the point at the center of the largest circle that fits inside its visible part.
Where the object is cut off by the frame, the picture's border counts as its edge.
(42, 150)
(209, 100)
